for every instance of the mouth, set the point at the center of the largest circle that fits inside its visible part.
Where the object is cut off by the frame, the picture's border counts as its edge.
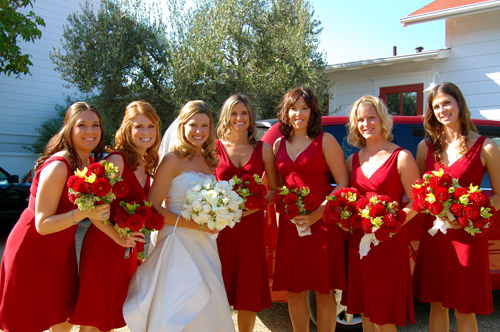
(147, 140)
(89, 139)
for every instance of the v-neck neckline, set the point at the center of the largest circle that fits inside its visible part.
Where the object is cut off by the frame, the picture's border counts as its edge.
(300, 153)
(462, 157)
(378, 168)
(231, 161)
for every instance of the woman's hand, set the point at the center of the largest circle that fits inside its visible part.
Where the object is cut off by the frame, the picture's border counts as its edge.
(246, 212)
(307, 220)
(99, 213)
(205, 229)
(130, 240)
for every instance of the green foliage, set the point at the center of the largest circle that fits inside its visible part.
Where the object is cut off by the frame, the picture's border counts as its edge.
(14, 24)
(128, 51)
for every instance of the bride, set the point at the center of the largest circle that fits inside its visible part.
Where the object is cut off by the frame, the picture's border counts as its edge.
(179, 287)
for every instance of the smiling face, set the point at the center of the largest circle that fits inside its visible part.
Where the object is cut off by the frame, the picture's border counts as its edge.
(143, 132)
(86, 132)
(197, 129)
(369, 122)
(240, 118)
(446, 109)
(298, 114)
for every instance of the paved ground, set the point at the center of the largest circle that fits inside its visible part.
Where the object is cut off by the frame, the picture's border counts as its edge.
(276, 319)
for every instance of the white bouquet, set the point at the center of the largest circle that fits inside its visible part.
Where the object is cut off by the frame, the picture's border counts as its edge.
(213, 204)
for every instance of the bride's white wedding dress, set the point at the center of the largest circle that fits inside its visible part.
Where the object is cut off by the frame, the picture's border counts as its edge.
(179, 287)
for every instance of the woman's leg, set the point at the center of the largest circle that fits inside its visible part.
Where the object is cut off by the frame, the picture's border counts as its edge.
(326, 311)
(439, 320)
(385, 328)
(246, 320)
(298, 310)
(466, 322)
(62, 327)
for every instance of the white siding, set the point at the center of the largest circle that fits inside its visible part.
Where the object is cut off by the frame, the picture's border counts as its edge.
(473, 64)
(29, 100)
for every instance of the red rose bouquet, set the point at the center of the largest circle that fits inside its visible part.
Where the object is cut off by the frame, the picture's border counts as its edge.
(252, 190)
(99, 183)
(293, 202)
(340, 209)
(382, 219)
(472, 209)
(137, 217)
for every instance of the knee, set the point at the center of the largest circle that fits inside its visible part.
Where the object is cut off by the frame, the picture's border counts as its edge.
(297, 297)
(463, 317)
(324, 299)
(437, 307)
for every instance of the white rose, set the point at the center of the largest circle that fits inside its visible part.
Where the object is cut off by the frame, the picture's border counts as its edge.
(202, 218)
(196, 187)
(206, 208)
(196, 206)
(212, 197)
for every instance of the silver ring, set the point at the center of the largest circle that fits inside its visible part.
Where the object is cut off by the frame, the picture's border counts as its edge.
(104, 215)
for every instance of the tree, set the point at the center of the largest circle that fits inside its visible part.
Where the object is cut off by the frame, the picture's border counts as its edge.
(14, 24)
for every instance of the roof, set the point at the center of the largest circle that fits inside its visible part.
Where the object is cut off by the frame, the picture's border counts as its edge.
(441, 9)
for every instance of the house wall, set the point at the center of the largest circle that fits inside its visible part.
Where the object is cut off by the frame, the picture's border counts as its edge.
(473, 64)
(29, 100)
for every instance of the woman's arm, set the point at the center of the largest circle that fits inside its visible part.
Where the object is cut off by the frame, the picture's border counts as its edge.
(490, 153)
(50, 188)
(408, 172)
(421, 156)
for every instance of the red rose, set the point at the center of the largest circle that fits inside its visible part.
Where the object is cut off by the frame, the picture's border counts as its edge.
(362, 203)
(144, 211)
(394, 229)
(345, 223)
(291, 198)
(481, 222)
(261, 190)
(400, 216)
(385, 199)
(457, 209)
(340, 201)
(252, 202)
(101, 187)
(382, 234)
(71, 180)
(459, 192)
(463, 221)
(420, 205)
(351, 207)
(247, 177)
(471, 212)
(377, 210)
(356, 220)
(389, 220)
(435, 182)
(442, 194)
(478, 199)
(97, 169)
(79, 185)
(121, 219)
(280, 207)
(366, 225)
(436, 208)
(309, 202)
(156, 221)
(447, 180)
(120, 188)
(71, 197)
(135, 222)
(292, 210)
(419, 192)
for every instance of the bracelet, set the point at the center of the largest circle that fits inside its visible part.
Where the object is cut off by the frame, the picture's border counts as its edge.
(72, 217)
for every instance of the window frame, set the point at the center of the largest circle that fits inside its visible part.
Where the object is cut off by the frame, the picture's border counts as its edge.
(418, 88)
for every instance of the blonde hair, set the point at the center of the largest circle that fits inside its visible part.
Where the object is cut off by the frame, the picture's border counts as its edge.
(354, 137)
(123, 137)
(63, 141)
(183, 148)
(224, 126)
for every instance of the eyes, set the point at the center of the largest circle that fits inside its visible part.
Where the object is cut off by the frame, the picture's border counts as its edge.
(141, 126)
(84, 124)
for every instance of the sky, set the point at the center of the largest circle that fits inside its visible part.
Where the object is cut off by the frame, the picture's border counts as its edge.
(366, 29)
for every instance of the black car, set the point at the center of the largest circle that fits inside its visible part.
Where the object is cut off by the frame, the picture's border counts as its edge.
(14, 196)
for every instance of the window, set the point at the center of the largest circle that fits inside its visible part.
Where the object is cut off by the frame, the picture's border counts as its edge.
(404, 99)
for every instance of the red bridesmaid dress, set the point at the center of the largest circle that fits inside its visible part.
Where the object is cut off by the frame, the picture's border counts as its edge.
(104, 271)
(379, 285)
(316, 261)
(241, 248)
(39, 273)
(453, 268)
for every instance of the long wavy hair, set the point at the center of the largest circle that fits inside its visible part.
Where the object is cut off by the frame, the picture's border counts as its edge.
(63, 141)
(124, 142)
(354, 137)
(183, 148)
(435, 134)
(314, 127)
(224, 126)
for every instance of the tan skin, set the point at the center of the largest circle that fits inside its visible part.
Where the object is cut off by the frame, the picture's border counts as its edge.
(371, 158)
(85, 136)
(197, 132)
(143, 133)
(446, 110)
(299, 114)
(239, 150)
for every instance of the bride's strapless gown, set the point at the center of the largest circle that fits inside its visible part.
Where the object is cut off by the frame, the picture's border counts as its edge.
(179, 287)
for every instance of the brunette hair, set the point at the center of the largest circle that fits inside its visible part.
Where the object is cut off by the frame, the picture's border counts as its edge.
(354, 137)
(434, 135)
(224, 126)
(63, 141)
(123, 137)
(183, 148)
(314, 127)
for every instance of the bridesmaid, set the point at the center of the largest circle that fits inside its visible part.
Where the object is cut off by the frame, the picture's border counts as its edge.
(305, 156)
(241, 249)
(452, 270)
(379, 285)
(105, 270)
(39, 272)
